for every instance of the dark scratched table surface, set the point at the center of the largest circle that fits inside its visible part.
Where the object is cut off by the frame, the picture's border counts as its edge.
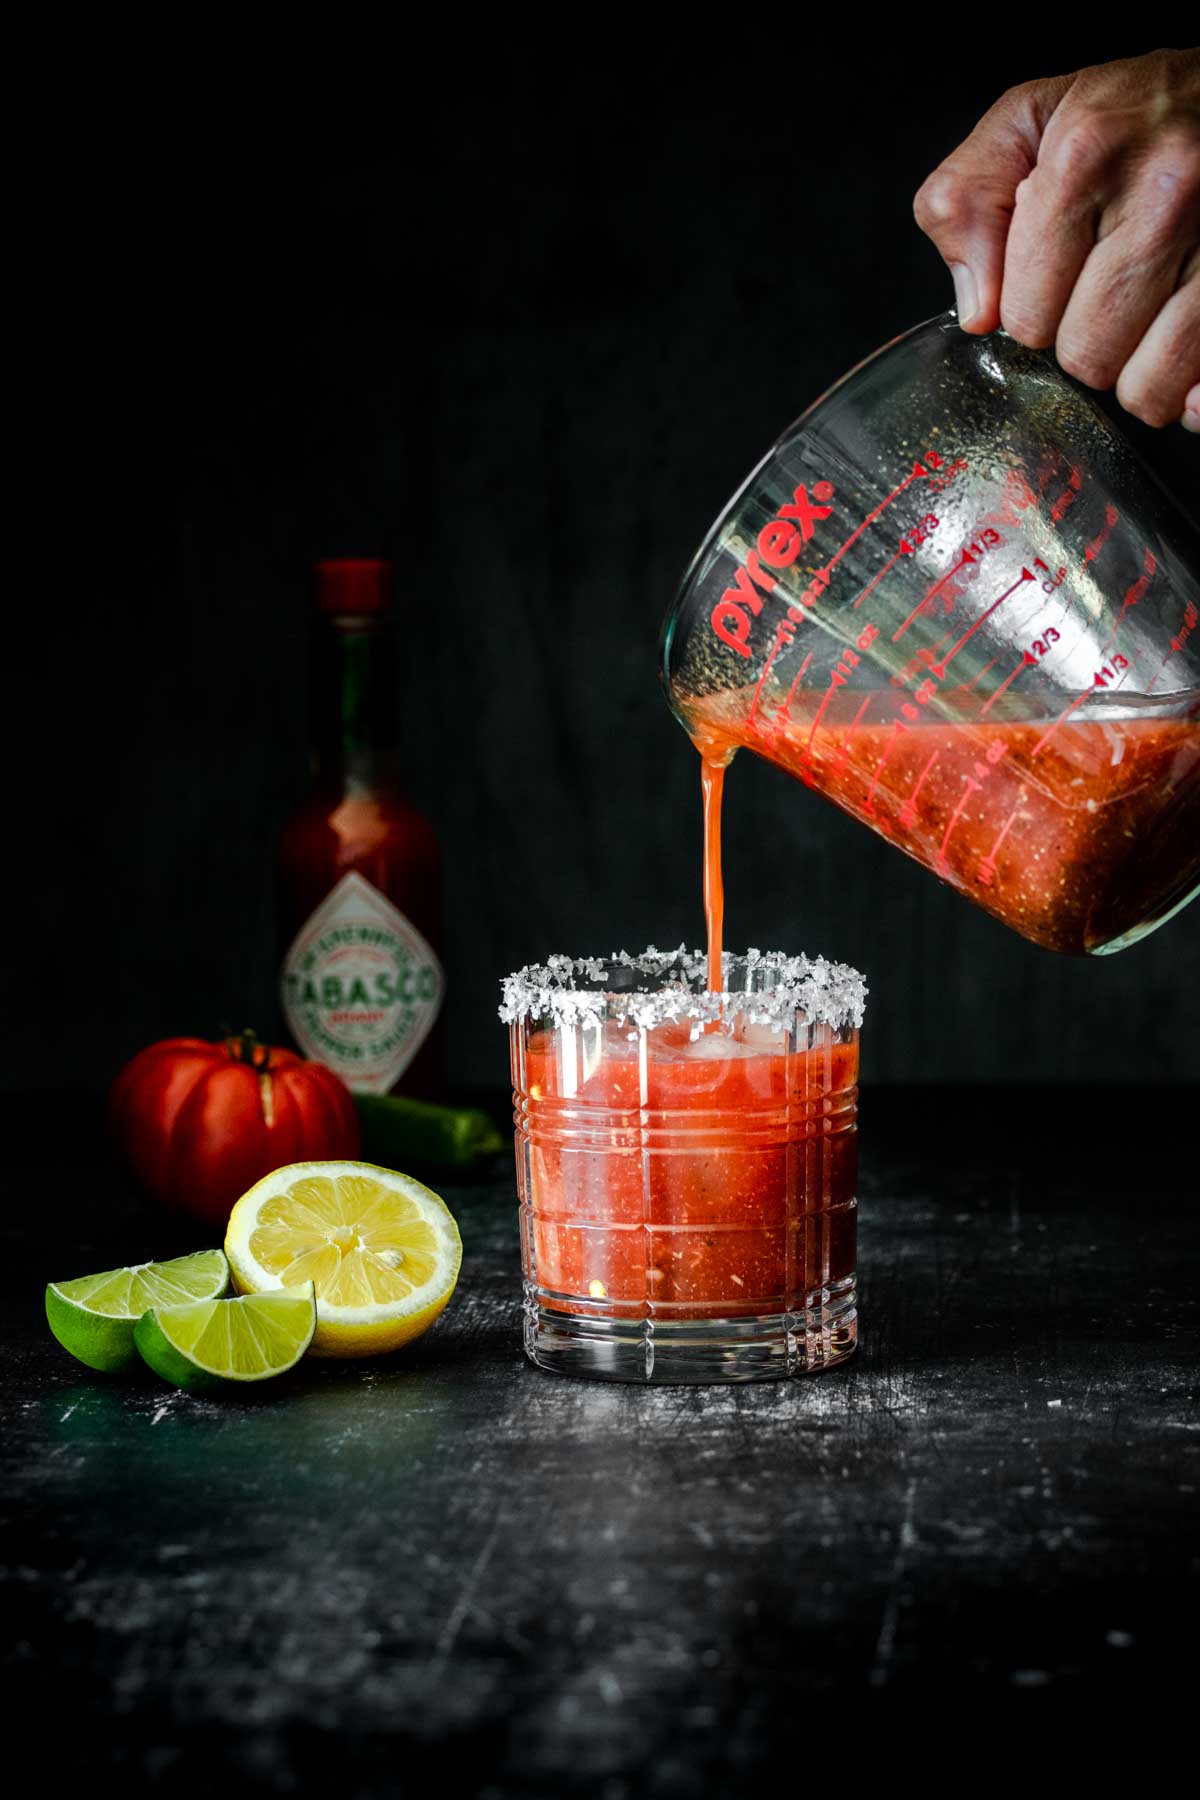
(448, 1567)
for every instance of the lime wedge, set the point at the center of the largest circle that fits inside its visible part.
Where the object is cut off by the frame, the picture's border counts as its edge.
(216, 1345)
(94, 1316)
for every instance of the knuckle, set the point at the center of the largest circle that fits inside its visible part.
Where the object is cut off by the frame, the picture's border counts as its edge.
(1145, 401)
(1086, 361)
(1026, 325)
(1020, 99)
(1029, 97)
(1179, 148)
(1080, 151)
(1173, 181)
(1023, 192)
(942, 200)
(1153, 384)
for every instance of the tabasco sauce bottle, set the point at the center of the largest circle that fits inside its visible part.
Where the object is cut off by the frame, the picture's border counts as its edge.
(359, 867)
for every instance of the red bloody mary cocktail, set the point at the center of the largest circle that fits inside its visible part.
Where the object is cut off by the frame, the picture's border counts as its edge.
(686, 1156)
(729, 1189)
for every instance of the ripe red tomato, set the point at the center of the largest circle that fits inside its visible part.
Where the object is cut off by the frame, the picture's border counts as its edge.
(199, 1123)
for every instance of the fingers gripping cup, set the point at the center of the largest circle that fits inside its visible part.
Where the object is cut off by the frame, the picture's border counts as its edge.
(686, 1164)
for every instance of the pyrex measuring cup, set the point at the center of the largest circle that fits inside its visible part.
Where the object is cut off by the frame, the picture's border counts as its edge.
(952, 600)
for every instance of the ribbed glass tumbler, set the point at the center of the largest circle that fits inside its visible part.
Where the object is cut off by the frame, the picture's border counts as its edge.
(686, 1165)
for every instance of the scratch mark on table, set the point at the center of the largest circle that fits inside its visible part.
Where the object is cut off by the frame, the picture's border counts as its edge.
(462, 1605)
(885, 1646)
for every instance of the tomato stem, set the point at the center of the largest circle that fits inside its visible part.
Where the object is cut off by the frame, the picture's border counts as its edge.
(244, 1046)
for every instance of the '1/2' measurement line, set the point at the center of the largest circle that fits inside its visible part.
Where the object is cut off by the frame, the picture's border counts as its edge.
(842, 753)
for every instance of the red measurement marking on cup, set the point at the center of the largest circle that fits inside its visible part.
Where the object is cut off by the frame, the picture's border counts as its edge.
(909, 544)
(1064, 715)
(1135, 592)
(916, 535)
(1068, 497)
(784, 712)
(939, 669)
(1112, 674)
(921, 663)
(988, 539)
(986, 872)
(856, 721)
(970, 786)
(1051, 579)
(1026, 662)
(923, 694)
(1111, 518)
(899, 728)
(964, 687)
(820, 580)
(930, 592)
(816, 721)
(1113, 671)
(1186, 629)
(874, 583)
(841, 755)
(1191, 618)
(839, 675)
(1017, 498)
(766, 670)
(908, 812)
(1040, 647)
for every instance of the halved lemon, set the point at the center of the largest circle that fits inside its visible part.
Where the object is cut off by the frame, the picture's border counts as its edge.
(382, 1251)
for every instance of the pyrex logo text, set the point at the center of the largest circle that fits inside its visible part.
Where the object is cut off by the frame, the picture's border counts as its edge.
(779, 544)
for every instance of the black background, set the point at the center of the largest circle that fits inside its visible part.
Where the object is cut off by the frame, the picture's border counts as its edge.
(520, 317)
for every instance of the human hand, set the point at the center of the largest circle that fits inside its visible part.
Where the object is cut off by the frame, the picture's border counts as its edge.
(1071, 216)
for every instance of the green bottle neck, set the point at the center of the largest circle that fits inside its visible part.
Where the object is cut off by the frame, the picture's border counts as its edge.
(355, 715)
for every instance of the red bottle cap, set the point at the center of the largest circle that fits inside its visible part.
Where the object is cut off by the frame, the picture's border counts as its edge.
(354, 585)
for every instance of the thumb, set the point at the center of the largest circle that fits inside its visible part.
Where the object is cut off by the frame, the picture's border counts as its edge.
(966, 205)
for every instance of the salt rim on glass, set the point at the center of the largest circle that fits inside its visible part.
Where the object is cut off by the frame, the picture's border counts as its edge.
(777, 987)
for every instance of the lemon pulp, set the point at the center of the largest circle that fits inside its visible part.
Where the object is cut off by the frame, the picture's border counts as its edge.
(381, 1250)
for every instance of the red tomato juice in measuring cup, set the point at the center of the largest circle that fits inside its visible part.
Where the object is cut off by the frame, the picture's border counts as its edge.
(689, 1177)
(1072, 831)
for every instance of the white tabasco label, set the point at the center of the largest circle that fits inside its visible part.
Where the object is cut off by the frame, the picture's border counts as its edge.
(361, 987)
